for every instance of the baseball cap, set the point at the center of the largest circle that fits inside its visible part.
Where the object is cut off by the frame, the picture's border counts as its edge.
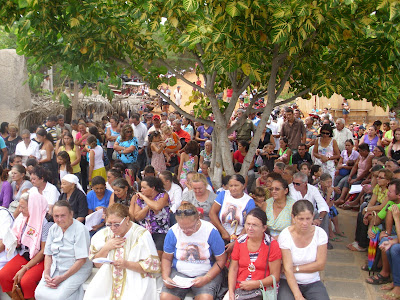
(361, 127)
(164, 113)
(156, 117)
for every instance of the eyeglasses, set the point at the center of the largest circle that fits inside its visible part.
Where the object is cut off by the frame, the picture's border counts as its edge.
(185, 212)
(297, 183)
(276, 189)
(129, 131)
(116, 226)
(251, 226)
(325, 133)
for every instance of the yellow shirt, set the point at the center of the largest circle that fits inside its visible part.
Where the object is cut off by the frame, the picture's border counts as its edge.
(72, 157)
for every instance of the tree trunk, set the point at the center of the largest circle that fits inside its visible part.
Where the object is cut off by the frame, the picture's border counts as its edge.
(74, 101)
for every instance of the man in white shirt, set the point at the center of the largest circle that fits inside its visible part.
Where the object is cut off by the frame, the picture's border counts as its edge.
(27, 148)
(300, 189)
(341, 134)
(273, 125)
(140, 132)
(178, 95)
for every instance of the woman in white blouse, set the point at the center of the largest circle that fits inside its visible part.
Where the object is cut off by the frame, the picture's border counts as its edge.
(304, 251)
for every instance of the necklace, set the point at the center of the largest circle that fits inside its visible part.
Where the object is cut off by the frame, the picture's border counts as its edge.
(251, 267)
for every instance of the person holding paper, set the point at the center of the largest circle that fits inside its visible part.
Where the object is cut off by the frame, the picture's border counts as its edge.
(66, 263)
(195, 251)
(132, 275)
(98, 198)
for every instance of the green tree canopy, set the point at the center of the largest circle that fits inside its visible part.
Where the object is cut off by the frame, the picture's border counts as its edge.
(350, 47)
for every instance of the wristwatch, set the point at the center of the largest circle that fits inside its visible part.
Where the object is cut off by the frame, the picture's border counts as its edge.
(297, 269)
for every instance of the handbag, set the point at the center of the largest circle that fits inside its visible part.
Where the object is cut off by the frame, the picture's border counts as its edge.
(114, 155)
(16, 293)
(259, 161)
(261, 293)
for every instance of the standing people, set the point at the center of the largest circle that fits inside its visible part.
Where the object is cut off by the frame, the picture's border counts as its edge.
(13, 139)
(178, 95)
(189, 161)
(341, 134)
(326, 151)
(345, 109)
(112, 133)
(81, 137)
(74, 153)
(96, 163)
(140, 133)
(127, 147)
(293, 129)
(46, 150)
(27, 148)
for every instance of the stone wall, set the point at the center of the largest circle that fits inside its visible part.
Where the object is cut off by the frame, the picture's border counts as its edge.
(15, 95)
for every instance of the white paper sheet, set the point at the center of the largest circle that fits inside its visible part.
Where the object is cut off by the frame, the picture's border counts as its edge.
(102, 260)
(355, 189)
(10, 242)
(93, 219)
(182, 282)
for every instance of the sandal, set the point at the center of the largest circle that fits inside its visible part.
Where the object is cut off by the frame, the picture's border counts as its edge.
(391, 296)
(335, 239)
(378, 279)
(355, 247)
(341, 234)
(365, 268)
(387, 287)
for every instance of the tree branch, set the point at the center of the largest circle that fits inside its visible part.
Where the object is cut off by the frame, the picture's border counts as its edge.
(181, 77)
(284, 79)
(306, 91)
(167, 99)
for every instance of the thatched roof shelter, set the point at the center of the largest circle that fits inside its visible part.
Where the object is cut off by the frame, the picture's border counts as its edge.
(42, 107)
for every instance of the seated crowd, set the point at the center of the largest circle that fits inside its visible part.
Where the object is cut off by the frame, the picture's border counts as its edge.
(132, 197)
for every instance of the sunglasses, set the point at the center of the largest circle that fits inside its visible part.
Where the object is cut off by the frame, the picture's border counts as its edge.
(185, 212)
(325, 133)
(297, 183)
(117, 224)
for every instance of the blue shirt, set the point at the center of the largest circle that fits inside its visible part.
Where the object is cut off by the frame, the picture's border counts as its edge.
(194, 255)
(128, 157)
(94, 202)
(2, 146)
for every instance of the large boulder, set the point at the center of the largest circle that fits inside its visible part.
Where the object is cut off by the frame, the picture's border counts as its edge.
(15, 96)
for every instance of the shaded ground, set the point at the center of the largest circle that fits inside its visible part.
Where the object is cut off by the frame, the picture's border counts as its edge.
(343, 276)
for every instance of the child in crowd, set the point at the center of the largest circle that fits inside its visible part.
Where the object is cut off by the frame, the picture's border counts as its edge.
(262, 180)
(64, 164)
(155, 152)
(189, 161)
(169, 141)
(96, 163)
(279, 167)
(316, 172)
(259, 196)
(224, 184)
(149, 171)
(204, 169)
(269, 156)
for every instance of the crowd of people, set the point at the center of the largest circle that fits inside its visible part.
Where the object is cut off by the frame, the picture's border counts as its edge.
(132, 196)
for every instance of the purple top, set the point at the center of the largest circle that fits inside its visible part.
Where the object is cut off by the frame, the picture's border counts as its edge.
(155, 223)
(201, 131)
(6, 194)
(371, 143)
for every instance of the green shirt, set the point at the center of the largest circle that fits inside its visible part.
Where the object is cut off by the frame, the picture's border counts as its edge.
(382, 214)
